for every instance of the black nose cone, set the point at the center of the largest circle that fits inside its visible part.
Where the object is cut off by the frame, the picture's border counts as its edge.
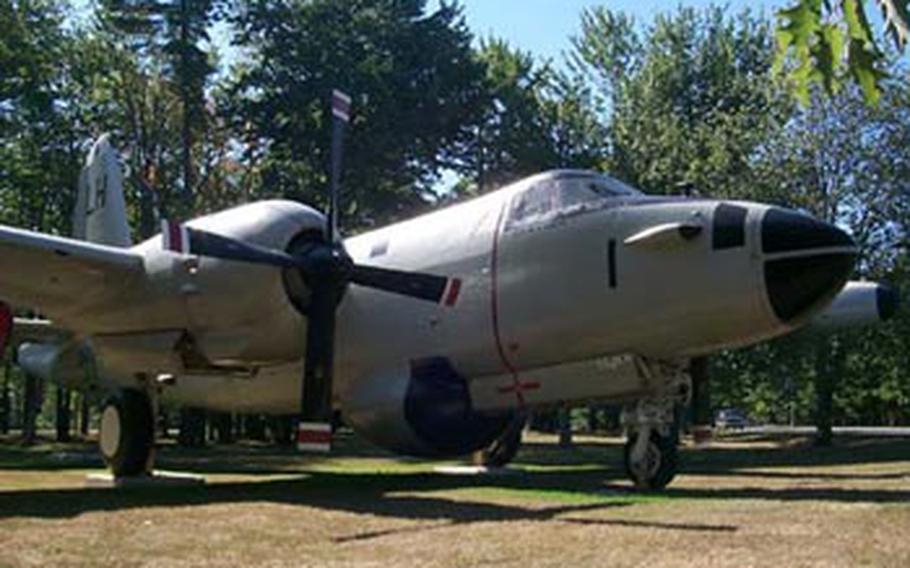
(785, 231)
(799, 275)
(796, 285)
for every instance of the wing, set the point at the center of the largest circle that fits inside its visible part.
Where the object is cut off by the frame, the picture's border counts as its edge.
(50, 273)
(34, 330)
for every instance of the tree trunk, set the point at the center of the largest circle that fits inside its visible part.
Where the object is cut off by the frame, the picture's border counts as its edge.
(85, 415)
(192, 428)
(283, 430)
(593, 422)
(700, 370)
(186, 96)
(565, 427)
(31, 406)
(824, 390)
(64, 416)
(254, 428)
(6, 406)
(223, 427)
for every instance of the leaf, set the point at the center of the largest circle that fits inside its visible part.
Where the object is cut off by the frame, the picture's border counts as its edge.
(863, 66)
(798, 25)
(897, 21)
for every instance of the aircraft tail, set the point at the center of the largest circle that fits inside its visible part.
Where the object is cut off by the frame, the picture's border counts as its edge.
(100, 213)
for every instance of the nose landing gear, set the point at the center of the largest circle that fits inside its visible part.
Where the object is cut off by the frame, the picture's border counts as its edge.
(651, 459)
(651, 456)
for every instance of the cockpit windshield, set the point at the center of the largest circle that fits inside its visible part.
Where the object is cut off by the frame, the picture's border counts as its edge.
(562, 193)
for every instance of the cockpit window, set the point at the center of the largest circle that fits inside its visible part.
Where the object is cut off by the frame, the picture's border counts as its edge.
(564, 194)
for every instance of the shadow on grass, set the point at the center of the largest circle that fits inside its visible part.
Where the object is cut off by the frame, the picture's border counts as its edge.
(584, 474)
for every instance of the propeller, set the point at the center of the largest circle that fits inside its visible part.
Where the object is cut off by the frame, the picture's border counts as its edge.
(327, 269)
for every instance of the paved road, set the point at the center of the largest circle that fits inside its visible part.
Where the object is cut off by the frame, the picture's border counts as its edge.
(871, 431)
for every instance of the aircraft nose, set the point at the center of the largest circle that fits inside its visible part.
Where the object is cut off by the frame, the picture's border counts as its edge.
(807, 261)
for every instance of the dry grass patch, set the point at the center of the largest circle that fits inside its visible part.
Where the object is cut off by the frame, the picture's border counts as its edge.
(741, 503)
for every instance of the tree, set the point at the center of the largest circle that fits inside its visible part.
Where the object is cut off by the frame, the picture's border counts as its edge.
(534, 118)
(415, 84)
(845, 162)
(833, 42)
(171, 32)
(690, 96)
(508, 141)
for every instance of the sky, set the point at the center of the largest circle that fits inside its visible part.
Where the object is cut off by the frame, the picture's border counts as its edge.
(544, 27)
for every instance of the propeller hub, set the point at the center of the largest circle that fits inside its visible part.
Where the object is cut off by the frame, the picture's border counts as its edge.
(326, 264)
(322, 265)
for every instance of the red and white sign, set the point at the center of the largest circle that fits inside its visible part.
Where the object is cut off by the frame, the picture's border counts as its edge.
(341, 106)
(315, 437)
(175, 237)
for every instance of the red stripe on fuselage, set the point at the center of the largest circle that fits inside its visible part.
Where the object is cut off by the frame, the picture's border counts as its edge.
(494, 305)
(519, 387)
(454, 290)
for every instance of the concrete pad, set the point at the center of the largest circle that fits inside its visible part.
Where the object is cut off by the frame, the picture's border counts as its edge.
(474, 470)
(155, 479)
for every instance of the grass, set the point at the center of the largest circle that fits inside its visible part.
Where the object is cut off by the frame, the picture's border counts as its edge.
(756, 502)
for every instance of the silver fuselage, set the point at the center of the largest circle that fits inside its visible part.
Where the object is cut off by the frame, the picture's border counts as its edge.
(552, 307)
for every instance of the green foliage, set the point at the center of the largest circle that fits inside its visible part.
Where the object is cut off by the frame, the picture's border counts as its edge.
(38, 146)
(690, 96)
(832, 42)
(534, 119)
(688, 100)
(415, 85)
(167, 36)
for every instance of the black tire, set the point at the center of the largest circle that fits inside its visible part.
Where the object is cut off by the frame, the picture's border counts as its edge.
(664, 450)
(127, 433)
(504, 448)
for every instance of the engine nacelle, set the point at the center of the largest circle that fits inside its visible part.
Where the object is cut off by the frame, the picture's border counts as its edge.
(858, 304)
(421, 409)
(242, 314)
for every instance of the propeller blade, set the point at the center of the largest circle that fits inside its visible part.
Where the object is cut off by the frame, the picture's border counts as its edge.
(314, 432)
(187, 240)
(341, 115)
(418, 285)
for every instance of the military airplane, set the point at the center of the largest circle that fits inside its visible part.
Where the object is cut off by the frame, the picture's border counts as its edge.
(433, 336)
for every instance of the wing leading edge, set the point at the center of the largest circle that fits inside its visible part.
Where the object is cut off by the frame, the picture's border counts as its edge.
(50, 273)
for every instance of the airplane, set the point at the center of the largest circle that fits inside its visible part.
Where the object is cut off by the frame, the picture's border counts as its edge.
(434, 336)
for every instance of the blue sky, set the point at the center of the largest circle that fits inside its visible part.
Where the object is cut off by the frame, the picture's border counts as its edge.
(544, 27)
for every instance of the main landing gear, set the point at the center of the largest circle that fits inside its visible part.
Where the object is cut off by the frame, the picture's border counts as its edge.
(128, 433)
(651, 456)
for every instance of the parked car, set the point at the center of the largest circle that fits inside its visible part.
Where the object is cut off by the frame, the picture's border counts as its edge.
(730, 419)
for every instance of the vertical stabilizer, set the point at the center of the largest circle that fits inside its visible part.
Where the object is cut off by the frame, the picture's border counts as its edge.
(100, 213)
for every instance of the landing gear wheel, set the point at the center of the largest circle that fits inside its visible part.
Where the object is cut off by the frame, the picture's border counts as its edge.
(657, 467)
(504, 448)
(127, 433)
